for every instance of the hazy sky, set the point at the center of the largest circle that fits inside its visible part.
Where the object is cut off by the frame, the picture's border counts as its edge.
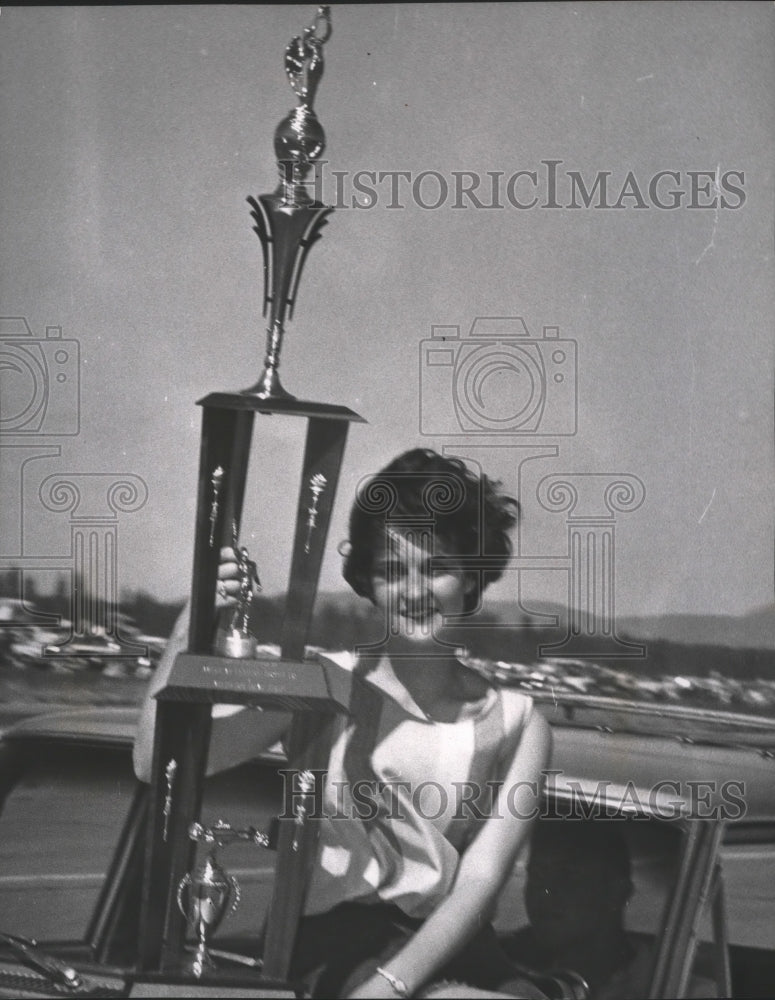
(132, 136)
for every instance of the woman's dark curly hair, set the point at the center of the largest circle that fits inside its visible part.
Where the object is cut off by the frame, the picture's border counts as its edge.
(468, 513)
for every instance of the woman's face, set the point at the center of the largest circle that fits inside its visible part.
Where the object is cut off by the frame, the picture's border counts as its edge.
(415, 594)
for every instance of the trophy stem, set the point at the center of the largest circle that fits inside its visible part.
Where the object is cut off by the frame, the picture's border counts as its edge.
(293, 185)
(201, 962)
(269, 385)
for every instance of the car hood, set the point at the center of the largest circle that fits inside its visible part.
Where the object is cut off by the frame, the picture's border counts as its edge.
(113, 726)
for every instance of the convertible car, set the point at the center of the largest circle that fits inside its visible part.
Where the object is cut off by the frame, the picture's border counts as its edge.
(658, 830)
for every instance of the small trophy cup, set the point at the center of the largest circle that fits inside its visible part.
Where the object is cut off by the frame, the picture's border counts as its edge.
(208, 895)
(205, 897)
(237, 642)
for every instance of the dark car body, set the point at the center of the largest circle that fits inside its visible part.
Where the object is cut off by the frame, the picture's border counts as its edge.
(695, 795)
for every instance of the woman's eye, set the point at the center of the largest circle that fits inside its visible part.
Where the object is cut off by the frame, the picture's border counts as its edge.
(443, 570)
(389, 571)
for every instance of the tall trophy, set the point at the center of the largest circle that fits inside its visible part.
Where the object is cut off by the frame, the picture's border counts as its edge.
(176, 894)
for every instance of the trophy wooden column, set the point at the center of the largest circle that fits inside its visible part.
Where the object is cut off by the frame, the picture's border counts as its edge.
(200, 678)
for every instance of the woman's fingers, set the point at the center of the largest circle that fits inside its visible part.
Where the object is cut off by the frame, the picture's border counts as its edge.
(228, 587)
(228, 567)
(228, 571)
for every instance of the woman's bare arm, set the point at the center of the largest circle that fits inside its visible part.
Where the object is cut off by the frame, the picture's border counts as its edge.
(483, 870)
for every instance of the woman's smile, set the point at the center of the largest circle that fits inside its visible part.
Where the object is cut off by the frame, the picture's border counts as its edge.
(416, 595)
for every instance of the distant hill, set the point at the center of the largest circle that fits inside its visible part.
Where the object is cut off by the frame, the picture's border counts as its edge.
(755, 630)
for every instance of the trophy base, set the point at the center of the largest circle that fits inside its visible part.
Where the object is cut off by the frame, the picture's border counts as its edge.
(201, 963)
(236, 645)
(176, 985)
(268, 387)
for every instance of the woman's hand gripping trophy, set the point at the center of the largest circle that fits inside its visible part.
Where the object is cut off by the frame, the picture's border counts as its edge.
(237, 582)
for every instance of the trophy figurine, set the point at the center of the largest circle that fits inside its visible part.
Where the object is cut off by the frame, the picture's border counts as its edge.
(205, 897)
(289, 221)
(237, 641)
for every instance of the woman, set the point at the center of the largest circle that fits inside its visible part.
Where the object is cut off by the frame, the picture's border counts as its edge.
(434, 776)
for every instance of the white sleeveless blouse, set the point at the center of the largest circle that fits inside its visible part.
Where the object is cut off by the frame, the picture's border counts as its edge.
(404, 795)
